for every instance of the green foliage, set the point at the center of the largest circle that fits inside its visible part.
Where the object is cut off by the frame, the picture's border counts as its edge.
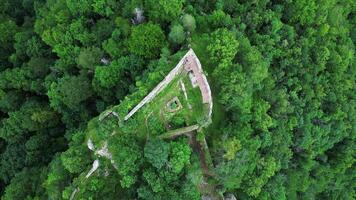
(219, 19)
(102, 30)
(79, 7)
(76, 158)
(282, 75)
(302, 12)
(164, 10)
(69, 91)
(89, 57)
(13, 160)
(180, 154)
(115, 45)
(32, 116)
(231, 148)
(124, 147)
(58, 177)
(178, 121)
(8, 29)
(189, 22)
(190, 192)
(109, 76)
(105, 7)
(177, 34)
(10, 101)
(267, 169)
(29, 77)
(98, 187)
(27, 45)
(161, 182)
(156, 152)
(26, 185)
(223, 46)
(146, 40)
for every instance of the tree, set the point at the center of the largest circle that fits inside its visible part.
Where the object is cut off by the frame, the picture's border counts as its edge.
(105, 7)
(122, 148)
(69, 91)
(219, 19)
(79, 7)
(57, 178)
(146, 40)
(90, 57)
(8, 28)
(109, 76)
(26, 185)
(223, 47)
(267, 168)
(115, 45)
(10, 100)
(32, 116)
(114, 48)
(41, 147)
(234, 88)
(29, 77)
(190, 191)
(27, 45)
(189, 22)
(98, 187)
(179, 155)
(156, 152)
(13, 160)
(104, 28)
(302, 12)
(163, 10)
(231, 148)
(76, 158)
(177, 34)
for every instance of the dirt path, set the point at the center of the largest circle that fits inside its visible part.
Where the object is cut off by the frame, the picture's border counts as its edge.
(199, 150)
(207, 189)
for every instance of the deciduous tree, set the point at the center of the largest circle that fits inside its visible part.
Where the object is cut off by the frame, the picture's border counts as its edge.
(146, 40)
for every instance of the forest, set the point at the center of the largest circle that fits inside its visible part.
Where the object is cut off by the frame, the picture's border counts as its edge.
(282, 76)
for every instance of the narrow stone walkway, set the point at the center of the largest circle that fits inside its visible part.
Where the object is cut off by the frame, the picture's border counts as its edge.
(180, 131)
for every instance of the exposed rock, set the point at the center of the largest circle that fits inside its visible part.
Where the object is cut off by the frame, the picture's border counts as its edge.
(139, 18)
(93, 169)
(205, 197)
(90, 145)
(230, 197)
(105, 61)
(104, 151)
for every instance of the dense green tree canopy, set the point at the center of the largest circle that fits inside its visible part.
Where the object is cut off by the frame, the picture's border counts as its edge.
(282, 75)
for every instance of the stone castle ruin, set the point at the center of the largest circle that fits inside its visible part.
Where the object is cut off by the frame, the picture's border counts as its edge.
(189, 65)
